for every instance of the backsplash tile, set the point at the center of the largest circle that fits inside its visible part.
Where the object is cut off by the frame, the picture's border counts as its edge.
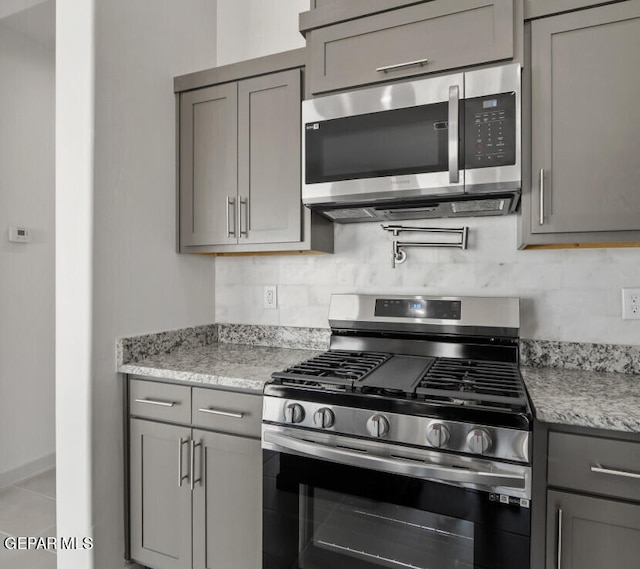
(568, 295)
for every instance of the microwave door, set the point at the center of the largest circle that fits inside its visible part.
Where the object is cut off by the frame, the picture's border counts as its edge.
(406, 146)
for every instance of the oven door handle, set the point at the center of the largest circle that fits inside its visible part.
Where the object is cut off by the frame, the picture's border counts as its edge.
(397, 465)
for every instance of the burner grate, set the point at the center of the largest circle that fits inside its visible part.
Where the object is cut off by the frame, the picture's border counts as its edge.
(335, 367)
(474, 382)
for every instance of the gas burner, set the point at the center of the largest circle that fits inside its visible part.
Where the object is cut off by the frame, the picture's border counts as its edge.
(472, 382)
(338, 368)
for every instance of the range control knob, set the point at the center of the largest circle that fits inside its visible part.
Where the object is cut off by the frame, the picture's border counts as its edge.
(378, 426)
(293, 413)
(479, 440)
(324, 418)
(438, 435)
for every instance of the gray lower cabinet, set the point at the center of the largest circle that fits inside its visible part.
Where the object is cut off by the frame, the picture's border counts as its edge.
(593, 502)
(228, 503)
(584, 135)
(160, 531)
(591, 533)
(422, 38)
(239, 144)
(195, 490)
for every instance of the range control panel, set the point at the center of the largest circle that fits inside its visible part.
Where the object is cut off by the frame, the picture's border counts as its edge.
(490, 131)
(418, 308)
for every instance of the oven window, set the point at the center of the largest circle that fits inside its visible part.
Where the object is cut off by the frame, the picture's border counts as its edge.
(342, 531)
(322, 515)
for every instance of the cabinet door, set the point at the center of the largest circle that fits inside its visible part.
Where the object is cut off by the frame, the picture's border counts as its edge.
(227, 502)
(428, 37)
(585, 117)
(208, 166)
(591, 533)
(269, 158)
(160, 502)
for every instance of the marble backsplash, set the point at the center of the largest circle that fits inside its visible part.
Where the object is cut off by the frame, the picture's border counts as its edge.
(534, 353)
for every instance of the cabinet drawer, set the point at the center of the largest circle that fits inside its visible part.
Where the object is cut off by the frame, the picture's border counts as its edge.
(418, 39)
(163, 401)
(595, 465)
(226, 411)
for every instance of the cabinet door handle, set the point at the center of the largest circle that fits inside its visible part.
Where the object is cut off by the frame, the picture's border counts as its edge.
(244, 202)
(231, 202)
(623, 473)
(454, 109)
(395, 66)
(156, 402)
(181, 476)
(222, 413)
(541, 196)
(559, 554)
(192, 476)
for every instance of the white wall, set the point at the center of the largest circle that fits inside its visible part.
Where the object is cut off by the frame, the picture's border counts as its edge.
(566, 295)
(252, 28)
(139, 284)
(27, 442)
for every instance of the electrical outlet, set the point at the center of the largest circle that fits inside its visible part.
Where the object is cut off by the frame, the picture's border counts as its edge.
(631, 303)
(270, 297)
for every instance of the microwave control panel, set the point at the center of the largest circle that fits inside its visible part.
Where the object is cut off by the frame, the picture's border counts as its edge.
(490, 131)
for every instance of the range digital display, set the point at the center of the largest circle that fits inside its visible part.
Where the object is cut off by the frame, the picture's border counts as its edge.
(418, 308)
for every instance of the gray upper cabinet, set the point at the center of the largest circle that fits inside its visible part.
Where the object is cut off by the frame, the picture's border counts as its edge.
(417, 39)
(239, 156)
(209, 165)
(584, 128)
(269, 158)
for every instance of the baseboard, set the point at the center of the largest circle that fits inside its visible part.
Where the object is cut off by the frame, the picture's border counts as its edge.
(27, 470)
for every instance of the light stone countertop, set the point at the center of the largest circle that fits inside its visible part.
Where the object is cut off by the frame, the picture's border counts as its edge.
(233, 366)
(603, 400)
(244, 357)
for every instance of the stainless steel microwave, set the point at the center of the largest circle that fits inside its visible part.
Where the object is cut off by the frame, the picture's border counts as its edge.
(444, 146)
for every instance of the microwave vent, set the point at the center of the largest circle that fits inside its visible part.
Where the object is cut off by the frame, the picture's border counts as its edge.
(359, 213)
(478, 206)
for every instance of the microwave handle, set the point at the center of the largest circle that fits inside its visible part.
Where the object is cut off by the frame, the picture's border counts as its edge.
(454, 120)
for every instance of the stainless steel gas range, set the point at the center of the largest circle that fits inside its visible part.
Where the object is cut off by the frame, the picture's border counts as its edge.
(406, 445)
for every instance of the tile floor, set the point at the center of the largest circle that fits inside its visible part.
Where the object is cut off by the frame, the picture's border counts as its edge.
(28, 508)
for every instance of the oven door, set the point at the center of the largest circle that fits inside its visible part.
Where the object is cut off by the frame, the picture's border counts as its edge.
(322, 514)
(382, 143)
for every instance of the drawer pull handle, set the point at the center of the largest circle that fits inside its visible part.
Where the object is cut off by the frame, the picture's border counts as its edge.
(623, 473)
(222, 413)
(395, 66)
(154, 402)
